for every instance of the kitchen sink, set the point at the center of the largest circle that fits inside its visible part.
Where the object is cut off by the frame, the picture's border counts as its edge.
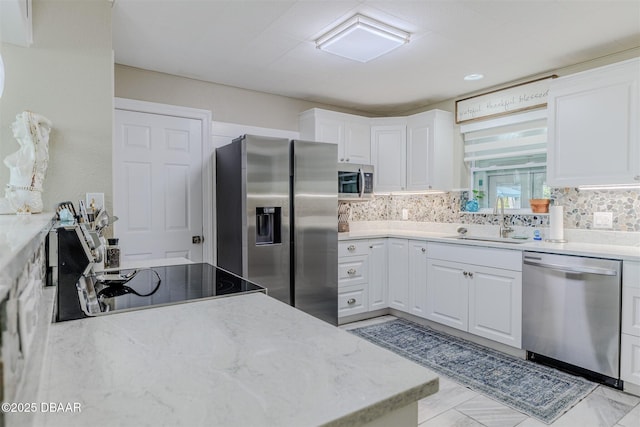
(515, 240)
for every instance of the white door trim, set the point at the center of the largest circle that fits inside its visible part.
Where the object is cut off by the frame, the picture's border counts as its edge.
(204, 116)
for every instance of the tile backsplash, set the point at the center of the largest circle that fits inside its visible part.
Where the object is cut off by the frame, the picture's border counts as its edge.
(579, 207)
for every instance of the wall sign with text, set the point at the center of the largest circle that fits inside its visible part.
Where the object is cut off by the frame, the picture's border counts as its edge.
(525, 96)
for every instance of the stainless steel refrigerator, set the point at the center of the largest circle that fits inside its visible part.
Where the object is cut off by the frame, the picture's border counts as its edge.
(276, 215)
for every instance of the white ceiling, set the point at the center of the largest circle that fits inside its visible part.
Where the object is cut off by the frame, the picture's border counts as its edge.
(268, 45)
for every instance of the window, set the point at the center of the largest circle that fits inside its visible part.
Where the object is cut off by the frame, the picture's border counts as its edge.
(508, 158)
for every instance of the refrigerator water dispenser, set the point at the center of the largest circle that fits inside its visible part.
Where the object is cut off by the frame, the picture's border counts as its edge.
(268, 225)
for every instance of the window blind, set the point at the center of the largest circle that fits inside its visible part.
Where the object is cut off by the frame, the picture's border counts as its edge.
(520, 135)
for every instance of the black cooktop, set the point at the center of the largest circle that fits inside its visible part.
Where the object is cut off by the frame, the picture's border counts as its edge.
(147, 287)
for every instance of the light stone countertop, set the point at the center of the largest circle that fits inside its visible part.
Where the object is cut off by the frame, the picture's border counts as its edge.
(617, 245)
(246, 360)
(20, 236)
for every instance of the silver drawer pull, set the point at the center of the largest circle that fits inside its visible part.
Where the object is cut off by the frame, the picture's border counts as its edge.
(351, 271)
(351, 248)
(351, 301)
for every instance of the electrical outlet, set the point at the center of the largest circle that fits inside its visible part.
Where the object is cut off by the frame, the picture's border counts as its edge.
(603, 220)
(405, 214)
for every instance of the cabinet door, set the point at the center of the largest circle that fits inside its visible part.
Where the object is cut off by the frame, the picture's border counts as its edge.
(419, 153)
(430, 151)
(418, 278)
(495, 304)
(593, 127)
(378, 273)
(388, 155)
(447, 293)
(357, 143)
(331, 130)
(630, 359)
(398, 278)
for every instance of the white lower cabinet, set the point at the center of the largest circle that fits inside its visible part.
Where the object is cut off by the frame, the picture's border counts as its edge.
(630, 338)
(485, 300)
(399, 274)
(362, 276)
(418, 278)
(378, 273)
(447, 294)
(474, 289)
(408, 275)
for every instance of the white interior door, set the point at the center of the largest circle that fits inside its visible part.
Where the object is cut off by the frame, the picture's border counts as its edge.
(158, 169)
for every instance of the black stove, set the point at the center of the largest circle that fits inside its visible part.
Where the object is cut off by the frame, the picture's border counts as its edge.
(149, 287)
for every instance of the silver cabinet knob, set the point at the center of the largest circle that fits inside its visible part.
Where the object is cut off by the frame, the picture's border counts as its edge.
(347, 159)
(351, 271)
(471, 274)
(370, 246)
(465, 273)
(424, 250)
(351, 301)
(342, 159)
(351, 248)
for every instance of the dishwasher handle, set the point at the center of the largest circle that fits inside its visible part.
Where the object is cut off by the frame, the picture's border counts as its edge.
(570, 269)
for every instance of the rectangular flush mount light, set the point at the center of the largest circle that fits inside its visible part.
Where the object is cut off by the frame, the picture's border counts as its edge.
(362, 39)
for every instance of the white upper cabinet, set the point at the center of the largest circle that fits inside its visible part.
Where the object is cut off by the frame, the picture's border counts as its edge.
(430, 151)
(389, 154)
(593, 127)
(16, 22)
(350, 132)
(413, 153)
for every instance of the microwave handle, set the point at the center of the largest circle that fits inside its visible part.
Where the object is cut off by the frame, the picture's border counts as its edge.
(361, 182)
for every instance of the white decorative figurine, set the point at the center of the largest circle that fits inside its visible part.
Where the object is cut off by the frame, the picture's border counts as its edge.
(28, 165)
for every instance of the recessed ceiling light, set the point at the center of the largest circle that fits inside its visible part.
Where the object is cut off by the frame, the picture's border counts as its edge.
(362, 39)
(474, 76)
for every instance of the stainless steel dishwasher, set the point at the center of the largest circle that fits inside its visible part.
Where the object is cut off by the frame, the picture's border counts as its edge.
(571, 314)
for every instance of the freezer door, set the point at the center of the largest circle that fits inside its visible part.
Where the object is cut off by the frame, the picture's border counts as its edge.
(266, 238)
(315, 228)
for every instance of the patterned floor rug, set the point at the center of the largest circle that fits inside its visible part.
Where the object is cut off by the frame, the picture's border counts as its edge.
(538, 391)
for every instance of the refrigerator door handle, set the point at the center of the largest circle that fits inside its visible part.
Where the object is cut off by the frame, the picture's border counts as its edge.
(361, 181)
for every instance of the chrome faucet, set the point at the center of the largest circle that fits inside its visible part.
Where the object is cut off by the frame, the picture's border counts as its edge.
(505, 230)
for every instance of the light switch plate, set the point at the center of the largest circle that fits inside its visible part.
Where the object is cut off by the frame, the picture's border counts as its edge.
(405, 214)
(603, 220)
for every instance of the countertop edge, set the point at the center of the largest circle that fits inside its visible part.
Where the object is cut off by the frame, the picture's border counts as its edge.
(386, 406)
(12, 265)
(624, 253)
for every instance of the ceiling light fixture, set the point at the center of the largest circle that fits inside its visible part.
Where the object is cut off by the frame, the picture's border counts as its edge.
(362, 39)
(474, 76)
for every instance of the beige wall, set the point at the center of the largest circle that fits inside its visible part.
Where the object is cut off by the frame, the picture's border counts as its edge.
(226, 103)
(66, 75)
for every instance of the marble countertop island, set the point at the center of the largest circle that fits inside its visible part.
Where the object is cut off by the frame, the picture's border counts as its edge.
(246, 360)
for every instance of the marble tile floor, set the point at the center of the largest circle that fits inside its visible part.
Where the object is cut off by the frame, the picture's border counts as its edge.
(457, 406)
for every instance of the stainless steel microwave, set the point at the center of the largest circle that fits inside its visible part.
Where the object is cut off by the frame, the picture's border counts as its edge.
(355, 182)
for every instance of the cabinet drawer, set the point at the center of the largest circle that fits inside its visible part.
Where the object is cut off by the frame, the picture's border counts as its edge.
(353, 270)
(631, 274)
(475, 255)
(352, 300)
(353, 247)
